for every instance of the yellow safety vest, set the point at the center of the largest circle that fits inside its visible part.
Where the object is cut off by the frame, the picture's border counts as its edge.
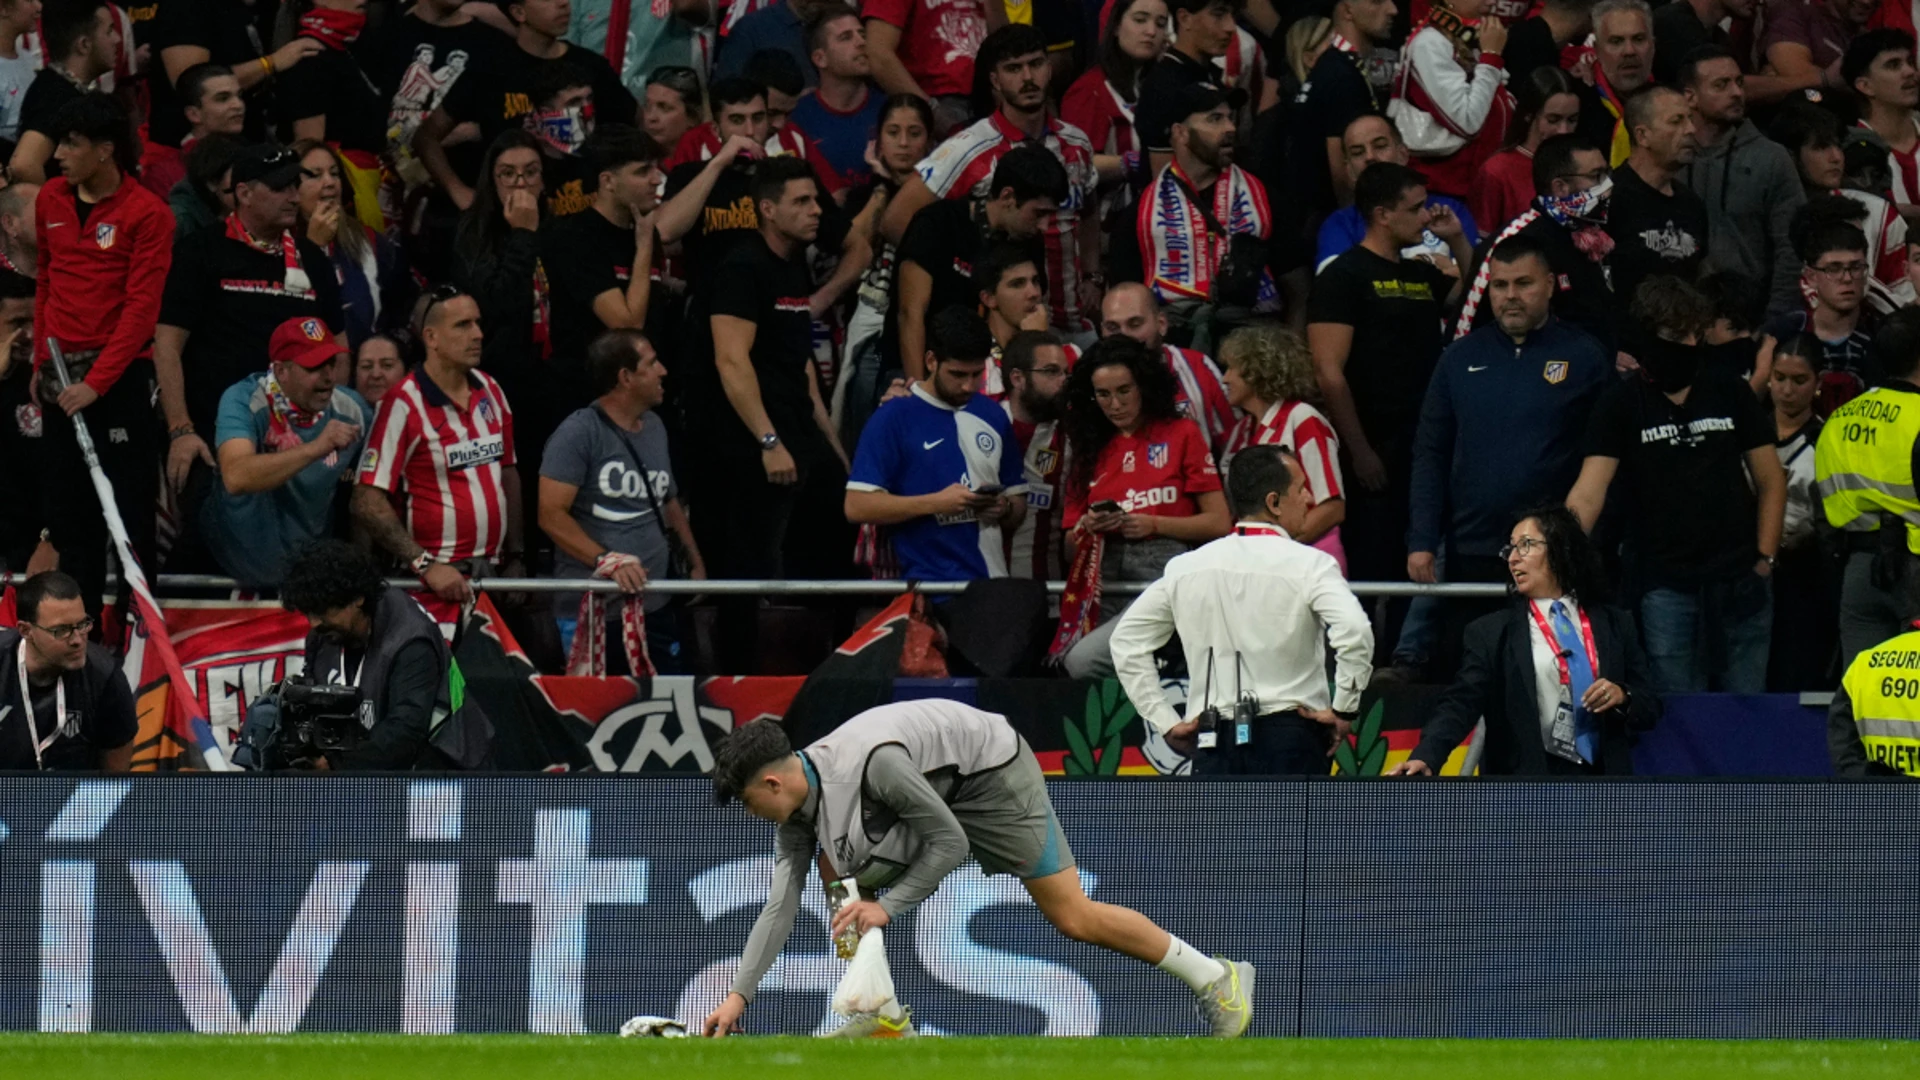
(1863, 464)
(1884, 685)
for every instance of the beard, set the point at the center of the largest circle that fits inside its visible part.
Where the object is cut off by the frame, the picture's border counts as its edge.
(1042, 409)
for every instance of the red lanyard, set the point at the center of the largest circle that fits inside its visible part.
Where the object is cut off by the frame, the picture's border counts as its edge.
(1559, 654)
(1260, 529)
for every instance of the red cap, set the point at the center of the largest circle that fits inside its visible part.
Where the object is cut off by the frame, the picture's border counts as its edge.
(303, 340)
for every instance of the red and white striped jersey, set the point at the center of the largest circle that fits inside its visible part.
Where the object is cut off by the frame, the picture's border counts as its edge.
(1034, 550)
(1303, 429)
(1906, 171)
(962, 167)
(444, 464)
(1197, 378)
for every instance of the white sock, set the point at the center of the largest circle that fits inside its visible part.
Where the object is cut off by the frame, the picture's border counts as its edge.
(1190, 965)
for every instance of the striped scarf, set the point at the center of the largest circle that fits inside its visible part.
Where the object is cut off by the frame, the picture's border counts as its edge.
(588, 656)
(1179, 239)
(1583, 213)
(1080, 601)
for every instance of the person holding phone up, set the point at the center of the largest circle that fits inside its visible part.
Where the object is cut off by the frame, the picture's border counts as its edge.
(1142, 487)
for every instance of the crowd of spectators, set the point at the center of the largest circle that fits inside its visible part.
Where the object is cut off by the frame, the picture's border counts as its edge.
(958, 289)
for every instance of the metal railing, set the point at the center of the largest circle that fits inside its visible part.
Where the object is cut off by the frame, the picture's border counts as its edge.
(166, 582)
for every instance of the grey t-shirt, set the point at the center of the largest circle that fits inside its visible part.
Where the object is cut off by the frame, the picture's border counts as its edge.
(611, 506)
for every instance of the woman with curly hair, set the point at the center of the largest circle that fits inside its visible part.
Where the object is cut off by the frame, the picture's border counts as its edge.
(375, 285)
(1142, 487)
(1268, 375)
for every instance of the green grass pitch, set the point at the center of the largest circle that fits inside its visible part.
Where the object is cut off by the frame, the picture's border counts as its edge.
(397, 1057)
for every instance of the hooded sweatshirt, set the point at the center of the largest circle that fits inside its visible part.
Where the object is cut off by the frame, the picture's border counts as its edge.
(1751, 190)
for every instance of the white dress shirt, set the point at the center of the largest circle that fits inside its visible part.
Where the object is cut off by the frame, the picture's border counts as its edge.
(1546, 669)
(1260, 595)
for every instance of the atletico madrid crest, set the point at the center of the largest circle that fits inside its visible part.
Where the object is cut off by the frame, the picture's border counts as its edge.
(1157, 455)
(1556, 371)
(104, 234)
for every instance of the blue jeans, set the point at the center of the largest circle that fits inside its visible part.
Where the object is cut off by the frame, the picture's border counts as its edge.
(1717, 634)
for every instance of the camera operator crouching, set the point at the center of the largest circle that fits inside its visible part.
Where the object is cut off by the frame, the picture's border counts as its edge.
(380, 691)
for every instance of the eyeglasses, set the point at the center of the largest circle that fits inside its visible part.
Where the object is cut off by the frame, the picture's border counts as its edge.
(529, 175)
(65, 632)
(1049, 372)
(1527, 546)
(440, 294)
(1844, 272)
(1593, 177)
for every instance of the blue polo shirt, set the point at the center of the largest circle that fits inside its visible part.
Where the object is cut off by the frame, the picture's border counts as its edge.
(917, 445)
(1343, 230)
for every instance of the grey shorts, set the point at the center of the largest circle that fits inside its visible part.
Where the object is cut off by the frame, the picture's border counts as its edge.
(1009, 820)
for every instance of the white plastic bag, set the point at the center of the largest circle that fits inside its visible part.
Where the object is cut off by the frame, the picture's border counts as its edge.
(653, 1027)
(867, 986)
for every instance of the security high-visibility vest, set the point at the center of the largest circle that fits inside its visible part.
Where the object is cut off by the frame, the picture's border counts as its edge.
(1884, 685)
(1863, 464)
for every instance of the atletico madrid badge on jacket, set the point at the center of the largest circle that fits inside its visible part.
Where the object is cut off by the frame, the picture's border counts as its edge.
(1556, 371)
(104, 234)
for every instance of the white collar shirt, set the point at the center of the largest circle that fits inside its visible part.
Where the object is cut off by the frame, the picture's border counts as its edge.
(1259, 596)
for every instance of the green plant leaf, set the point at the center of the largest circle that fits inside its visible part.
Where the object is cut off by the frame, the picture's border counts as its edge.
(1094, 711)
(1122, 716)
(1109, 693)
(1074, 768)
(1110, 755)
(1376, 759)
(1078, 749)
(1370, 726)
(1343, 757)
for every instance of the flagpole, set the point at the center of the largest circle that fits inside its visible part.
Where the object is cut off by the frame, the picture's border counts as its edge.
(135, 581)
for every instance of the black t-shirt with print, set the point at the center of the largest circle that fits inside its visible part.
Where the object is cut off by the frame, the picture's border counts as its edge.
(332, 84)
(1653, 233)
(416, 65)
(729, 220)
(1395, 308)
(564, 189)
(1691, 513)
(498, 101)
(772, 293)
(230, 297)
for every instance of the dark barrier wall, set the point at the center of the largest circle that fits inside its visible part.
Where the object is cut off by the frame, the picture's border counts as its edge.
(567, 905)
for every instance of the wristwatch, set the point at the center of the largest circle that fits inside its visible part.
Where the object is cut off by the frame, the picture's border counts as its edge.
(421, 562)
(769, 440)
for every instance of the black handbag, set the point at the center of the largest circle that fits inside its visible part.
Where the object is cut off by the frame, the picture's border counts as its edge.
(679, 559)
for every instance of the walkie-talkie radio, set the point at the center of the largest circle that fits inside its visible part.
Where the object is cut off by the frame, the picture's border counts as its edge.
(1209, 722)
(1245, 708)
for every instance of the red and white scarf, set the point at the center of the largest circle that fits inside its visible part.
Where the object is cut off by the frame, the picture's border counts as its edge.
(588, 656)
(285, 420)
(1080, 601)
(332, 27)
(296, 282)
(1181, 249)
(542, 311)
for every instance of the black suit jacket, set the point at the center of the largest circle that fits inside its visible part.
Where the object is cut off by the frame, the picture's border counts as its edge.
(1497, 681)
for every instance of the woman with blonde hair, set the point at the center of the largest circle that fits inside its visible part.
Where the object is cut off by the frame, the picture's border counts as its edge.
(1268, 374)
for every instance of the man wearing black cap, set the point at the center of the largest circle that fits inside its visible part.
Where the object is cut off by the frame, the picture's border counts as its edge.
(1173, 240)
(288, 439)
(1203, 32)
(228, 289)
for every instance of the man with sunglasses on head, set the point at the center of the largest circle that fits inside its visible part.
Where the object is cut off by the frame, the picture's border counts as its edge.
(64, 703)
(229, 288)
(442, 452)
